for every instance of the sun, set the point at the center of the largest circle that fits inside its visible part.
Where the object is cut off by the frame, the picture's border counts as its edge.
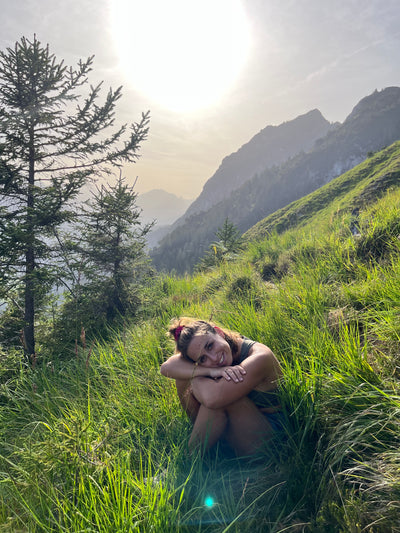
(182, 54)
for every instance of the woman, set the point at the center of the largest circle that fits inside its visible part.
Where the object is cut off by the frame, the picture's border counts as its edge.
(226, 384)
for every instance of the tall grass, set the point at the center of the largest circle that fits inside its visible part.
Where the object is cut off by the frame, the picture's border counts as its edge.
(98, 443)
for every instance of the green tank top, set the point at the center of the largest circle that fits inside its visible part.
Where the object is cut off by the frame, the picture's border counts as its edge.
(261, 399)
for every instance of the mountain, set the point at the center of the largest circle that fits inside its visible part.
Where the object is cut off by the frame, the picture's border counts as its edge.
(355, 190)
(163, 208)
(270, 147)
(373, 124)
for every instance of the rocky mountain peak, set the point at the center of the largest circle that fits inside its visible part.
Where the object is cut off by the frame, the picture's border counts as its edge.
(376, 103)
(270, 147)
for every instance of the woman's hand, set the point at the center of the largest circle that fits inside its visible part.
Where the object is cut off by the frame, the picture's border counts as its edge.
(230, 373)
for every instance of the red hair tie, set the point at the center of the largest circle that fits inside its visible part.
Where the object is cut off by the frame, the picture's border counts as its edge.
(219, 331)
(178, 332)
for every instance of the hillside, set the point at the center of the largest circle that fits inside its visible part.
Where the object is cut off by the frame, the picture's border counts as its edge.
(364, 184)
(373, 124)
(100, 443)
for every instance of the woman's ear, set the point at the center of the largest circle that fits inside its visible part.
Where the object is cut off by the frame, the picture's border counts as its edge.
(219, 331)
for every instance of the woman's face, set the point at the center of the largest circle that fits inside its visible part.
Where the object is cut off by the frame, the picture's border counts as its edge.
(210, 350)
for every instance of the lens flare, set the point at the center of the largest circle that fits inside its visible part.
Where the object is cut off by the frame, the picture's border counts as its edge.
(209, 501)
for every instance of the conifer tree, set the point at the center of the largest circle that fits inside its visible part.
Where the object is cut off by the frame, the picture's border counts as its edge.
(52, 141)
(113, 244)
(229, 237)
(226, 248)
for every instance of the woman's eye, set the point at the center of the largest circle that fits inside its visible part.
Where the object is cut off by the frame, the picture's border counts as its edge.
(202, 359)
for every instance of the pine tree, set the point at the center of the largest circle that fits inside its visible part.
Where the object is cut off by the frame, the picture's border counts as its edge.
(113, 246)
(229, 243)
(229, 237)
(52, 141)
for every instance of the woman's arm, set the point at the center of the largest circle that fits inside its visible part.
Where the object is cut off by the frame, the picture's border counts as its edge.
(262, 370)
(176, 367)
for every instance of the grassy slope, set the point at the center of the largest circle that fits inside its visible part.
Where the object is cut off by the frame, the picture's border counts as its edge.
(79, 440)
(356, 188)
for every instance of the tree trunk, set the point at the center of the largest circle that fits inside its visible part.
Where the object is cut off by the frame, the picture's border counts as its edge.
(29, 328)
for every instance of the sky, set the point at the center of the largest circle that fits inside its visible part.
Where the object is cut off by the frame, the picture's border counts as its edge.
(213, 73)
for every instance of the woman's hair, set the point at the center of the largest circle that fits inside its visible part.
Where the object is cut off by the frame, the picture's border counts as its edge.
(183, 329)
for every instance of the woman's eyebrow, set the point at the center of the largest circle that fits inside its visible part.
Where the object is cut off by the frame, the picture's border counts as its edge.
(199, 354)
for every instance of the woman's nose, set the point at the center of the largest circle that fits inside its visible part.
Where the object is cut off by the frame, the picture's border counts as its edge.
(212, 356)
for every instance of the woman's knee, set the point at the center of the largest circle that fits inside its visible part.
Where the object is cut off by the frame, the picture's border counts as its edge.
(242, 404)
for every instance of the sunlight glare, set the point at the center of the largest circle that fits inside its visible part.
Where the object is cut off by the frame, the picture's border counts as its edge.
(209, 501)
(182, 54)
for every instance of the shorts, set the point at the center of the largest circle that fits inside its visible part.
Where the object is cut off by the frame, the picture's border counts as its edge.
(276, 422)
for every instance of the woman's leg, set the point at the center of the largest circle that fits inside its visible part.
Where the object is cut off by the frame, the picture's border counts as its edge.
(241, 423)
(209, 426)
(248, 429)
(189, 403)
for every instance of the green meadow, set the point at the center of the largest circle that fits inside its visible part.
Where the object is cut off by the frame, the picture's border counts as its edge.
(97, 441)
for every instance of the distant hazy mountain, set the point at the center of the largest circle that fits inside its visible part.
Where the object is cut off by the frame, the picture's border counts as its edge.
(373, 124)
(162, 207)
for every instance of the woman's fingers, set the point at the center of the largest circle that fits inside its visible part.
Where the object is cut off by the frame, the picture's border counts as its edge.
(230, 373)
(234, 373)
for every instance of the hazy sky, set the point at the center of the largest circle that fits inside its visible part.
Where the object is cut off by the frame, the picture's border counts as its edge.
(215, 72)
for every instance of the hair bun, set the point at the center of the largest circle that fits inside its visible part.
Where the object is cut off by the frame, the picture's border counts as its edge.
(177, 332)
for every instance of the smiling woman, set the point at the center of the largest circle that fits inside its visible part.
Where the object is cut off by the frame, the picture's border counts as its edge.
(227, 385)
(182, 54)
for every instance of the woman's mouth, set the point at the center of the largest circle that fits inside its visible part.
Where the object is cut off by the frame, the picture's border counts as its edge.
(221, 361)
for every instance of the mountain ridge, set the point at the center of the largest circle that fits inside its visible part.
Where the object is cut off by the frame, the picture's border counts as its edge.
(162, 208)
(160, 205)
(269, 147)
(373, 124)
